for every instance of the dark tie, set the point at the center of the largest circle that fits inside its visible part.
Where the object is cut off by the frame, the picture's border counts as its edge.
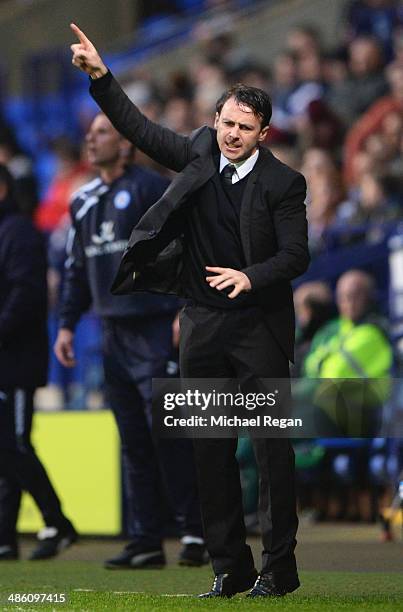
(227, 173)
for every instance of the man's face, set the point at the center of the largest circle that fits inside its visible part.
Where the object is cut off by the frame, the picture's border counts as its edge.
(103, 143)
(239, 131)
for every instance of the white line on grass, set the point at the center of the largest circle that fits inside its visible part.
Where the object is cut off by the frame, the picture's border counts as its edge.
(129, 593)
(134, 593)
(144, 593)
(85, 590)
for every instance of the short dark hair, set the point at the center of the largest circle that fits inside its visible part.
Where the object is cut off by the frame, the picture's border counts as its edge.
(253, 97)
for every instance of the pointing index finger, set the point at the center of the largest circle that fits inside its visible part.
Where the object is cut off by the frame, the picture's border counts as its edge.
(80, 35)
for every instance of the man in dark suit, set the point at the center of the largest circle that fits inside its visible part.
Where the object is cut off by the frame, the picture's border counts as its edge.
(23, 368)
(229, 233)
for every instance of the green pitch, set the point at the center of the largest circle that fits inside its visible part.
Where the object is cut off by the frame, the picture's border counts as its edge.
(344, 569)
(90, 588)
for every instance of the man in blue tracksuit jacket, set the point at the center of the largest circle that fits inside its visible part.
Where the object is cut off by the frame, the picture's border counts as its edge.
(137, 344)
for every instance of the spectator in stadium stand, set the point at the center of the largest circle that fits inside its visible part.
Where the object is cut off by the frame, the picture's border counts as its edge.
(210, 80)
(309, 87)
(284, 84)
(319, 127)
(396, 164)
(383, 146)
(303, 40)
(286, 154)
(137, 346)
(179, 85)
(241, 321)
(336, 76)
(380, 201)
(378, 18)
(316, 161)
(371, 122)
(353, 94)
(252, 74)
(20, 167)
(353, 345)
(392, 130)
(177, 115)
(326, 193)
(363, 163)
(71, 172)
(23, 368)
(398, 46)
(218, 24)
(225, 49)
(314, 307)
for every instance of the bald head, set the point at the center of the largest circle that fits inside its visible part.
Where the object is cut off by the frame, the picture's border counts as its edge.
(354, 294)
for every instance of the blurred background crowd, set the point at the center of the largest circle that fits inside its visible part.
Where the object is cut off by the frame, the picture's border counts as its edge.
(337, 117)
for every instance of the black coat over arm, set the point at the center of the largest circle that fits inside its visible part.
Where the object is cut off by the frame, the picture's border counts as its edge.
(273, 219)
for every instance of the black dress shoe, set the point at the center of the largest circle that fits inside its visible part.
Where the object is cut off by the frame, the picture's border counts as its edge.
(275, 584)
(53, 540)
(138, 556)
(193, 555)
(8, 552)
(227, 585)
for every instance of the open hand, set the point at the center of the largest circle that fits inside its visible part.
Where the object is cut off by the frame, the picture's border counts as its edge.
(225, 277)
(85, 55)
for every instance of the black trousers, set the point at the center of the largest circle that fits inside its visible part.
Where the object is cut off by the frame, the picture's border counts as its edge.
(20, 467)
(135, 351)
(222, 344)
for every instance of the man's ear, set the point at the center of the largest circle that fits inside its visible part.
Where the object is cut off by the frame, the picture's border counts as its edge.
(263, 133)
(216, 119)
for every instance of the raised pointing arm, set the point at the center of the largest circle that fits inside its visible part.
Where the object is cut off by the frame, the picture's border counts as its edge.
(163, 145)
(85, 55)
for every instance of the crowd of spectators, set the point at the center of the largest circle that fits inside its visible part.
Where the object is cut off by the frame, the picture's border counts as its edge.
(337, 117)
(337, 113)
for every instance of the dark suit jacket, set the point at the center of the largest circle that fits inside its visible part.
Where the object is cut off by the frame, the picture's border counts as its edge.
(23, 303)
(272, 219)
